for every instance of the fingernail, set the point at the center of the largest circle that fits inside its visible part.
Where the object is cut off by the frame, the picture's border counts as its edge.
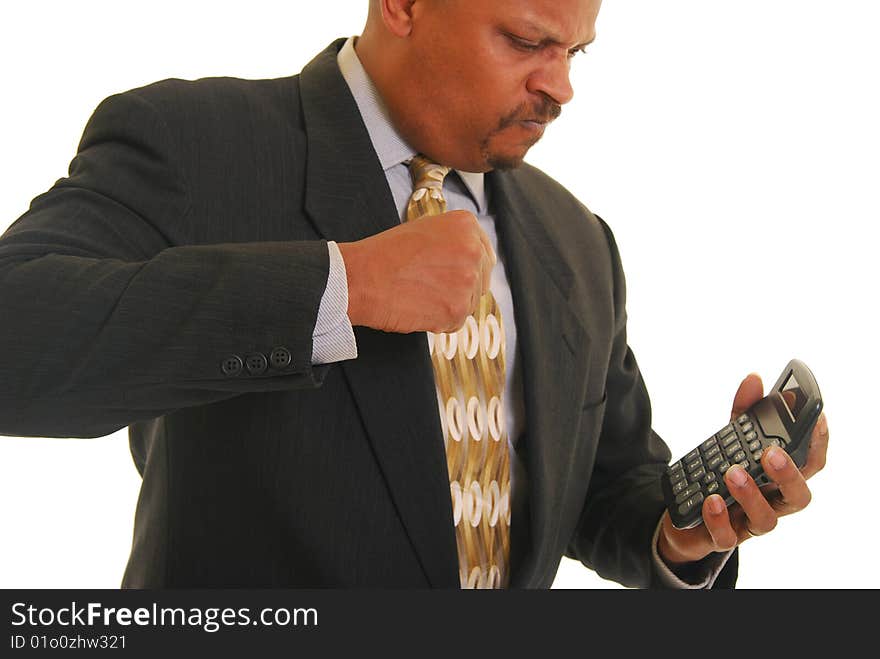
(716, 505)
(738, 475)
(777, 458)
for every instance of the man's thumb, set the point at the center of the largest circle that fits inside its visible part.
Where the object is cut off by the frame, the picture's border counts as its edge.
(750, 391)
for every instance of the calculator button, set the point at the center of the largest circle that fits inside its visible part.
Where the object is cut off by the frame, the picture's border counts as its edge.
(690, 504)
(693, 466)
(685, 508)
(676, 476)
(697, 475)
(727, 441)
(693, 455)
(755, 445)
(708, 478)
(745, 463)
(688, 493)
(709, 443)
(679, 486)
(743, 418)
(758, 454)
(732, 449)
(726, 430)
(715, 450)
(723, 467)
(751, 436)
(712, 488)
(739, 457)
(714, 462)
(746, 427)
(773, 442)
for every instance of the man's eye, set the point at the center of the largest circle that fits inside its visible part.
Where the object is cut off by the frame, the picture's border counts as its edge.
(574, 51)
(522, 44)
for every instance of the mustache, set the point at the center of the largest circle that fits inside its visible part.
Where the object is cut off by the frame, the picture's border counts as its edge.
(545, 112)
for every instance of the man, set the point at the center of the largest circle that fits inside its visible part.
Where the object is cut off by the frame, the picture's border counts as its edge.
(231, 271)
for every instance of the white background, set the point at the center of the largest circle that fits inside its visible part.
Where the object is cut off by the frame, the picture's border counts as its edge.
(733, 147)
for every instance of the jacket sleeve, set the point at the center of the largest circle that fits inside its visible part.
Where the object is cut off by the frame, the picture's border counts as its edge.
(624, 500)
(106, 321)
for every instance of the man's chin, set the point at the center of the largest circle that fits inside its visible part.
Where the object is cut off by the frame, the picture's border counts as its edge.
(502, 163)
(505, 161)
(510, 158)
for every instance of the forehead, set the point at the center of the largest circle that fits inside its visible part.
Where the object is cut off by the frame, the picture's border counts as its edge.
(564, 21)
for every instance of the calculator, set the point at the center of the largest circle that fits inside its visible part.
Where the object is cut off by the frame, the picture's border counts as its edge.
(785, 418)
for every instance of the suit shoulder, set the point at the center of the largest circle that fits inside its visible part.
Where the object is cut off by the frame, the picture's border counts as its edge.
(541, 188)
(217, 96)
(572, 226)
(205, 115)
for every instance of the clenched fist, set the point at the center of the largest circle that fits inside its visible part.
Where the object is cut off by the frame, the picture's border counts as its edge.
(427, 274)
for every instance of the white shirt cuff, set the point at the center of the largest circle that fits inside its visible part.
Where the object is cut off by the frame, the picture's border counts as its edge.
(708, 569)
(333, 339)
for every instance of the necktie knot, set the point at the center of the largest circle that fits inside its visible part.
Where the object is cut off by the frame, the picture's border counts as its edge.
(427, 175)
(427, 197)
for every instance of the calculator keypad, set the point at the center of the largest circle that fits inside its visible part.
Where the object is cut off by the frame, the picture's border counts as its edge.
(701, 472)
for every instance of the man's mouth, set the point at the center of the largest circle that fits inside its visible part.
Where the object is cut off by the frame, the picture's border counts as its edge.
(534, 124)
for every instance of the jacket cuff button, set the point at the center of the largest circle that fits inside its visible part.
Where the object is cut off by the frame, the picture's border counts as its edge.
(280, 358)
(231, 366)
(256, 363)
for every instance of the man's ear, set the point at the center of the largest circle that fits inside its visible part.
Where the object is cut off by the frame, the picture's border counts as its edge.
(397, 16)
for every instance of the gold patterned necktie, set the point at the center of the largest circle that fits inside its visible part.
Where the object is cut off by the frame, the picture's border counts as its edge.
(469, 375)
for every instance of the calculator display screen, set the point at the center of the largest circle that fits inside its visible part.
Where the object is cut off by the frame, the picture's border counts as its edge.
(793, 396)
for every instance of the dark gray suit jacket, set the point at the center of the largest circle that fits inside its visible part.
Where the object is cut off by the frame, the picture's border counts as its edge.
(171, 284)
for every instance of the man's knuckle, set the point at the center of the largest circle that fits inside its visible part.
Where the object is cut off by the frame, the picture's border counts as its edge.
(461, 218)
(458, 309)
(726, 542)
(806, 498)
(473, 251)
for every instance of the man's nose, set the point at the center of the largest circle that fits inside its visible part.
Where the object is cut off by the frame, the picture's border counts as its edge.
(552, 79)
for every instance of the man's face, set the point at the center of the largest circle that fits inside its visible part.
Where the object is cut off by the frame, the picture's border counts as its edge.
(488, 75)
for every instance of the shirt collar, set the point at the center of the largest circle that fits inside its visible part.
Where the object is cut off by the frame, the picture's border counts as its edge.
(390, 146)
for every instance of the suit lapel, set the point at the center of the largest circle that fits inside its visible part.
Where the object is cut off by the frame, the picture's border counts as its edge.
(553, 348)
(392, 380)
